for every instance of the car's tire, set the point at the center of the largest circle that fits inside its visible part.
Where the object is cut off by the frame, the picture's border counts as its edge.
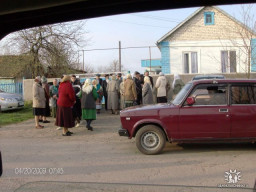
(150, 140)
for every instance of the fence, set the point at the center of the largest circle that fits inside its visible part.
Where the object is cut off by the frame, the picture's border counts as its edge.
(12, 88)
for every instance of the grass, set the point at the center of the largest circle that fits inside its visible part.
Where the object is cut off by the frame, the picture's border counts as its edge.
(16, 116)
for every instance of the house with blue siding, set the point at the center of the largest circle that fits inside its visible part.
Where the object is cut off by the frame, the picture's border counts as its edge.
(208, 41)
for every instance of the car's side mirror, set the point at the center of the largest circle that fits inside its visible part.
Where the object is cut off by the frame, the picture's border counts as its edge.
(190, 100)
(1, 165)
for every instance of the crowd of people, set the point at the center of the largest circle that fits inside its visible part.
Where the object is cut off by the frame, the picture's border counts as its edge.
(69, 101)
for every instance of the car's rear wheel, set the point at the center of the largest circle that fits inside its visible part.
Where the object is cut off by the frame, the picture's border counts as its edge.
(150, 140)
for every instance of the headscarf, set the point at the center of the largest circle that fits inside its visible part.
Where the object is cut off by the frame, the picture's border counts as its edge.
(113, 77)
(161, 74)
(176, 77)
(87, 87)
(37, 79)
(43, 79)
(129, 76)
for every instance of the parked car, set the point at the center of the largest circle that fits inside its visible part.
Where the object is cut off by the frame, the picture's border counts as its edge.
(10, 101)
(203, 111)
(201, 77)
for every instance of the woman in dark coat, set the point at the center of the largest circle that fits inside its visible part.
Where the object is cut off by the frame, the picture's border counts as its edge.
(65, 103)
(77, 111)
(88, 104)
(47, 111)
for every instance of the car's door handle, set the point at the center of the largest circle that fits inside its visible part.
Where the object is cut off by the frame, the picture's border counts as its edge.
(223, 110)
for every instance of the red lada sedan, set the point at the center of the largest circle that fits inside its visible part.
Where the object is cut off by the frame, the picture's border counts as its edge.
(203, 111)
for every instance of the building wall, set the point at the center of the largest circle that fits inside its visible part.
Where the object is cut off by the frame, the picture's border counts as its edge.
(28, 88)
(253, 55)
(208, 55)
(165, 57)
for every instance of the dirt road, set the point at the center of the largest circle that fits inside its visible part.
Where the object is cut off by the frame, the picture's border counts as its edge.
(101, 156)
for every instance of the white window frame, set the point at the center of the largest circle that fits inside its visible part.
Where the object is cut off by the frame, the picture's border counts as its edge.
(228, 66)
(189, 61)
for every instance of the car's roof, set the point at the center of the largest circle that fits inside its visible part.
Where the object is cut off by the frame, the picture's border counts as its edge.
(210, 75)
(218, 81)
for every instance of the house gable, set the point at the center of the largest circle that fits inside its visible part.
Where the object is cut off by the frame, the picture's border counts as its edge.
(194, 28)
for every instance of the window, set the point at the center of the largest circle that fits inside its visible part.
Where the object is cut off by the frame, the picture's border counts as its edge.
(190, 62)
(209, 18)
(210, 95)
(228, 61)
(243, 94)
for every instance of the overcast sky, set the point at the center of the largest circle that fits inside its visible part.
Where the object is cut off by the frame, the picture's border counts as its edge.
(134, 30)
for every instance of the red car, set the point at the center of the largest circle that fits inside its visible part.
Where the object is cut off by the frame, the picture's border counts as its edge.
(203, 111)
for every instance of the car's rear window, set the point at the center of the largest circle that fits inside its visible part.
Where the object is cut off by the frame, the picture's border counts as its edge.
(243, 94)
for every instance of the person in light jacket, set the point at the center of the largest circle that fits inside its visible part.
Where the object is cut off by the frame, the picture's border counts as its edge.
(113, 91)
(38, 101)
(122, 94)
(163, 87)
(147, 94)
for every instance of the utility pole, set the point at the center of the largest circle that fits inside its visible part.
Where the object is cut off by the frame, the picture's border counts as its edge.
(83, 60)
(150, 59)
(120, 56)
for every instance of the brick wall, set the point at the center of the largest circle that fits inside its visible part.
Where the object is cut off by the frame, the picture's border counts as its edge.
(195, 29)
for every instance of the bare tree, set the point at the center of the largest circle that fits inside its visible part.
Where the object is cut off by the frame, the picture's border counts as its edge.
(112, 67)
(241, 37)
(52, 47)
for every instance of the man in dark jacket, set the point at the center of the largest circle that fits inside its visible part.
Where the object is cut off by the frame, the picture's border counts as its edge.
(99, 79)
(105, 93)
(137, 81)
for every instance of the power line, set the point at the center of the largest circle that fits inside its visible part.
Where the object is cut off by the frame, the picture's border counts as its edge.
(136, 23)
(156, 18)
(114, 48)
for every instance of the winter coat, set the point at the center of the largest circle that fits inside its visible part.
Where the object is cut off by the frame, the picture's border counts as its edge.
(130, 93)
(162, 86)
(147, 94)
(38, 96)
(113, 91)
(88, 99)
(66, 95)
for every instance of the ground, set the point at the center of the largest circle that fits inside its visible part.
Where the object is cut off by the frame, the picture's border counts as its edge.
(99, 160)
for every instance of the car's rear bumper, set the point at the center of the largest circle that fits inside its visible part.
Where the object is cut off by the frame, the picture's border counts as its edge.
(123, 132)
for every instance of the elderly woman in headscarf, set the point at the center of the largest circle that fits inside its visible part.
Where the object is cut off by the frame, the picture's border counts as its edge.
(65, 103)
(130, 93)
(147, 94)
(38, 101)
(177, 85)
(88, 104)
(122, 93)
(113, 90)
(99, 90)
(47, 111)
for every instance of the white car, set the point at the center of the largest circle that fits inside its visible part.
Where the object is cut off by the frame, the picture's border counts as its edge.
(10, 101)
